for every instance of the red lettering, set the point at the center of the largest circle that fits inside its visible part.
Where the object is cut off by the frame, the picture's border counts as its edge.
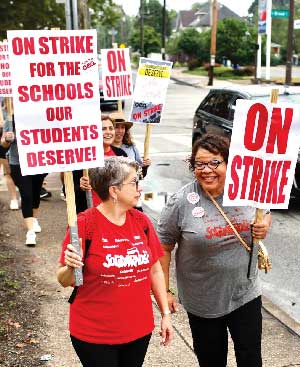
(234, 188)
(279, 132)
(256, 125)
(25, 140)
(247, 161)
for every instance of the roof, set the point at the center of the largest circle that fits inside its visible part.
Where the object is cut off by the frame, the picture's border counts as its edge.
(201, 17)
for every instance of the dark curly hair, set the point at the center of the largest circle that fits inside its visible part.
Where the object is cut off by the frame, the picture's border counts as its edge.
(215, 144)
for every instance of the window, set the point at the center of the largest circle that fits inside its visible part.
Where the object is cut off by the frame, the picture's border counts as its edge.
(209, 103)
(223, 105)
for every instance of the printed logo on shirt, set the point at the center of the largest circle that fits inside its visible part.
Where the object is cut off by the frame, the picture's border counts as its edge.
(219, 231)
(133, 258)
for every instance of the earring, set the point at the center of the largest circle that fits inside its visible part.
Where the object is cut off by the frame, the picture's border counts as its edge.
(115, 200)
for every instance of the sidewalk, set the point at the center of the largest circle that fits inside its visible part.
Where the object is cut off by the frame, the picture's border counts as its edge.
(199, 81)
(280, 345)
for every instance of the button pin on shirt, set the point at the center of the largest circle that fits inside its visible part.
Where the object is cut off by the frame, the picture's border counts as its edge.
(198, 212)
(193, 197)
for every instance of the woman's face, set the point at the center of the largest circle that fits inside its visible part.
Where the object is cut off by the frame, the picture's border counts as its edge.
(120, 131)
(211, 179)
(108, 132)
(129, 191)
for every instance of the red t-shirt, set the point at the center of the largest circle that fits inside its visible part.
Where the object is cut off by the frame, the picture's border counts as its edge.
(114, 306)
(95, 197)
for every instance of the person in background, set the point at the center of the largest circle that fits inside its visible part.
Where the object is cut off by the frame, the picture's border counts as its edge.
(124, 141)
(29, 186)
(211, 263)
(81, 183)
(111, 317)
(12, 192)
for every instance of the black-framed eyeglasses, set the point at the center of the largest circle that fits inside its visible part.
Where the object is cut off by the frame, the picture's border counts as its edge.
(213, 164)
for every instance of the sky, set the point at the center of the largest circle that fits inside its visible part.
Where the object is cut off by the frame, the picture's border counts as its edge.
(238, 6)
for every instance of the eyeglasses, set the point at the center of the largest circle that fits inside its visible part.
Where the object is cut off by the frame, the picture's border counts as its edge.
(133, 182)
(213, 164)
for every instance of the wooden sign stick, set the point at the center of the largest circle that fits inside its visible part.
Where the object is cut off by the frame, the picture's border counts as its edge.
(259, 215)
(119, 105)
(72, 221)
(88, 194)
(147, 141)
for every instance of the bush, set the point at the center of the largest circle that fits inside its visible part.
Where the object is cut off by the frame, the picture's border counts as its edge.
(193, 64)
(244, 71)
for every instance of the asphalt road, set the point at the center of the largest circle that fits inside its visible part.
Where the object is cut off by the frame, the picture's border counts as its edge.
(170, 144)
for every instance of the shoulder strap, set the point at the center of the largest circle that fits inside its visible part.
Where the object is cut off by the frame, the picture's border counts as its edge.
(228, 221)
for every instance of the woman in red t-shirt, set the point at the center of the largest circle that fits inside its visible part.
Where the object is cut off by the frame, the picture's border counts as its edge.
(111, 318)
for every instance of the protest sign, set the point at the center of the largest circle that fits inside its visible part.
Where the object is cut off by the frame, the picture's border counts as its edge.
(150, 91)
(56, 99)
(5, 75)
(263, 154)
(116, 73)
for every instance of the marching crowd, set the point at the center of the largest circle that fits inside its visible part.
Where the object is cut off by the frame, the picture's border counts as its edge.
(124, 259)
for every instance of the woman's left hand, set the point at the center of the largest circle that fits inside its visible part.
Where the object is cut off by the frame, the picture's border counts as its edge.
(147, 162)
(260, 230)
(166, 332)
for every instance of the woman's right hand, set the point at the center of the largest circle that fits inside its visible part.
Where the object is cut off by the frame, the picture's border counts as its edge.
(72, 258)
(85, 184)
(173, 307)
(8, 136)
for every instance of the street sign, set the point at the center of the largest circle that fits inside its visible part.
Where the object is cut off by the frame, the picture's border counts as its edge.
(297, 24)
(280, 13)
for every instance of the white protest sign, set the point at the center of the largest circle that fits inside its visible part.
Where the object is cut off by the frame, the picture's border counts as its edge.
(116, 73)
(56, 100)
(5, 75)
(263, 153)
(150, 91)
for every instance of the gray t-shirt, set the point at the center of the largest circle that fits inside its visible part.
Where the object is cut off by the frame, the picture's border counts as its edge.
(211, 263)
(13, 154)
(132, 152)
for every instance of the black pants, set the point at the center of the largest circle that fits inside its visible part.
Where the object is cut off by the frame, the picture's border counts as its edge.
(210, 336)
(117, 355)
(29, 188)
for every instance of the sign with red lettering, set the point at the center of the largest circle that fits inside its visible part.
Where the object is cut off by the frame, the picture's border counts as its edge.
(263, 154)
(56, 100)
(116, 73)
(5, 76)
(150, 91)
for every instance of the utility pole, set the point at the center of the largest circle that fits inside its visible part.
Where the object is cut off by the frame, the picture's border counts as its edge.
(142, 27)
(83, 14)
(213, 41)
(289, 55)
(163, 33)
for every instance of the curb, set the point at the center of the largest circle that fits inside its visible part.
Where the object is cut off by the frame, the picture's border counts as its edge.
(273, 310)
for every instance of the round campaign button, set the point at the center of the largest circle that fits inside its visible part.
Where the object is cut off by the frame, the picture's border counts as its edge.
(193, 197)
(198, 212)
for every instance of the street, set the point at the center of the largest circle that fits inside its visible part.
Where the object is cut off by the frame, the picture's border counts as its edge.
(170, 144)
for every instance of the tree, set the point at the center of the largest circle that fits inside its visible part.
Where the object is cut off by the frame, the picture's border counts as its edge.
(236, 41)
(152, 40)
(30, 14)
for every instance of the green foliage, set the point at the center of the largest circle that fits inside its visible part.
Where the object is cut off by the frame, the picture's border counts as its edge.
(30, 14)
(152, 40)
(236, 41)
(193, 44)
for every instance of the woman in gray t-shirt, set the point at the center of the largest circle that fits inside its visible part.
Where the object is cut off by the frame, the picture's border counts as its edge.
(211, 263)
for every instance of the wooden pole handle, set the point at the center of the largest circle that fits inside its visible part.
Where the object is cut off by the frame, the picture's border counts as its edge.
(147, 141)
(88, 194)
(72, 221)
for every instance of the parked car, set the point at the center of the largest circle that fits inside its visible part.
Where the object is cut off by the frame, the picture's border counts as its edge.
(110, 104)
(216, 112)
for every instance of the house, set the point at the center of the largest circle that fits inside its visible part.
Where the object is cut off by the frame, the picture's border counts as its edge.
(201, 18)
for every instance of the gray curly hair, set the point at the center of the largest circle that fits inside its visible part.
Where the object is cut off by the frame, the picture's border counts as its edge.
(114, 173)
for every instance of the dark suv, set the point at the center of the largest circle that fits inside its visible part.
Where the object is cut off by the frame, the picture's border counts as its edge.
(215, 113)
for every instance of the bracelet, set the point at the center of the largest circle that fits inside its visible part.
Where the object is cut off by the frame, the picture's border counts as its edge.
(165, 313)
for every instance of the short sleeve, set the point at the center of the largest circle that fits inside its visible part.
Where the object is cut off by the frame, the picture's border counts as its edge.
(168, 227)
(153, 241)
